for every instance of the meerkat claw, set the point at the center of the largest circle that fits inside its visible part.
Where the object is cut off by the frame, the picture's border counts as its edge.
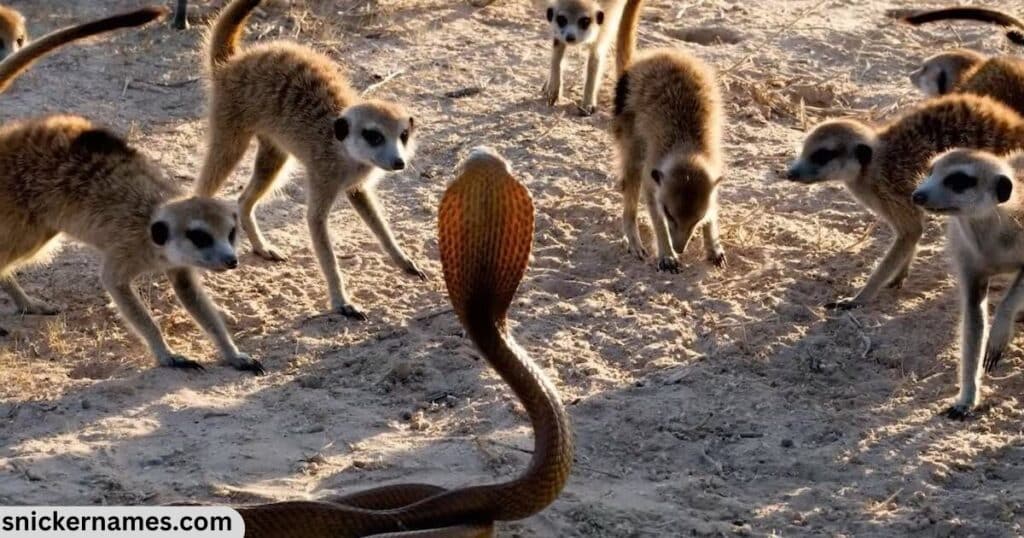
(958, 412)
(182, 362)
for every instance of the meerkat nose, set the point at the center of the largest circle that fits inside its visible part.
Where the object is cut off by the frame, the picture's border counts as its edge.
(920, 198)
(231, 263)
(399, 164)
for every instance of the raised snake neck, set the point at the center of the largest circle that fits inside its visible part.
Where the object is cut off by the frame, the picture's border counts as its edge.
(485, 230)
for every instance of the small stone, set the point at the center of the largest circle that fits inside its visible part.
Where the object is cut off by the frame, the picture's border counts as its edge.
(786, 443)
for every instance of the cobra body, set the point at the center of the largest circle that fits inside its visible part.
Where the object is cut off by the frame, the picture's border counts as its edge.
(486, 232)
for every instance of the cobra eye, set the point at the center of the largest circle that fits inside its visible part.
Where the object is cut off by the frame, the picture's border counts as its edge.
(562, 21)
(959, 182)
(822, 156)
(405, 136)
(231, 235)
(583, 23)
(373, 137)
(199, 238)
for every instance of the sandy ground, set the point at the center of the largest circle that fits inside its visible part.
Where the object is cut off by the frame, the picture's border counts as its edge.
(713, 402)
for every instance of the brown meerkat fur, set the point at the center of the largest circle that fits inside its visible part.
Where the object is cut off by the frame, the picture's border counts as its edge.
(592, 24)
(13, 34)
(965, 71)
(297, 102)
(965, 13)
(62, 174)
(668, 130)
(881, 166)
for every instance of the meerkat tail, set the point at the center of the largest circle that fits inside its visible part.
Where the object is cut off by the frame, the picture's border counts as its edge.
(977, 14)
(626, 42)
(227, 31)
(17, 63)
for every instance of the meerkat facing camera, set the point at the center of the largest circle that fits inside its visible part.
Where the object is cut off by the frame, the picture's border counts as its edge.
(669, 146)
(982, 195)
(881, 166)
(13, 35)
(592, 24)
(295, 101)
(62, 174)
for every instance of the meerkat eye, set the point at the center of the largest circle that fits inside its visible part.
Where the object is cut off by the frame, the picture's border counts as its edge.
(959, 182)
(3, 45)
(405, 136)
(231, 235)
(583, 23)
(372, 137)
(562, 21)
(822, 156)
(199, 238)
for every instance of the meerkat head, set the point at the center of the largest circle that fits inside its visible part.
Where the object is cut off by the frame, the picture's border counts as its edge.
(835, 150)
(12, 32)
(965, 182)
(197, 232)
(939, 74)
(575, 22)
(377, 133)
(685, 190)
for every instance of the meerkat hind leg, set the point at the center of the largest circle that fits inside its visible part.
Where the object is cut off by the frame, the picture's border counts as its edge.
(270, 160)
(225, 150)
(632, 181)
(22, 246)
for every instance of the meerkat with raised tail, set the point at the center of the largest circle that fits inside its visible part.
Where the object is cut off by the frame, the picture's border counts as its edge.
(13, 35)
(1015, 33)
(668, 131)
(295, 101)
(881, 166)
(981, 194)
(592, 24)
(62, 174)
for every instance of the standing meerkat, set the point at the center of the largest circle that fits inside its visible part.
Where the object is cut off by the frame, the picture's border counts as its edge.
(881, 166)
(13, 35)
(62, 174)
(589, 23)
(668, 130)
(295, 101)
(981, 194)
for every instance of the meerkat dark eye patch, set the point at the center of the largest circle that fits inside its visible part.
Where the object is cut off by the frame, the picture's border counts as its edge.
(232, 234)
(863, 153)
(199, 238)
(373, 137)
(583, 23)
(3, 44)
(942, 82)
(551, 13)
(562, 21)
(341, 129)
(159, 232)
(822, 156)
(1004, 188)
(600, 18)
(959, 182)
(405, 136)
(656, 176)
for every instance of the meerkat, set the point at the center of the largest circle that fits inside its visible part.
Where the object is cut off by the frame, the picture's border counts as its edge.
(993, 16)
(963, 71)
(981, 194)
(880, 167)
(668, 131)
(13, 35)
(62, 174)
(589, 23)
(939, 74)
(296, 102)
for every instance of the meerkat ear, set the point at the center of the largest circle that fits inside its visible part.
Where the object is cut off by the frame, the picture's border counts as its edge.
(656, 176)
(551, 14)
(1004, 188)
(412, 122)
(341, 129)
(159, 232)
(863, 153)
(600, 17)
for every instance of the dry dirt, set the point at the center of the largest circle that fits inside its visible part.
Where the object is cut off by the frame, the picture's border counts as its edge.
(713, 402)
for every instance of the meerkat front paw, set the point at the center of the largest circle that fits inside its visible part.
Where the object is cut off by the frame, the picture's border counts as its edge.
(244, 363)
(959, 411)
(174, 360)
(351, 311)
(717, 258)
(845, 304)
(38, 308)
(998, 338)
(552, 93)
(412, 269)
(668, 264)
(586, 110)
(270, 254)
